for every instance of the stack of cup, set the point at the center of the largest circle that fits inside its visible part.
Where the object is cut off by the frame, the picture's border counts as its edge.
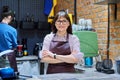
(118, 66)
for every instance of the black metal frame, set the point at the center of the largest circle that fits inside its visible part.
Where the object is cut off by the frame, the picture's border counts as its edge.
(75, 11)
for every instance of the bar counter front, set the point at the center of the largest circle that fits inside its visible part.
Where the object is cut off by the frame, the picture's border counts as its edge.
(88, 74)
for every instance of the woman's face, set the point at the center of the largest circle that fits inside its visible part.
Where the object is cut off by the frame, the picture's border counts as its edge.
(62, 24)
(9, 19)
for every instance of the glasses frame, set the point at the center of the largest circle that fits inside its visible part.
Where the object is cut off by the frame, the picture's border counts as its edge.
(64, 22)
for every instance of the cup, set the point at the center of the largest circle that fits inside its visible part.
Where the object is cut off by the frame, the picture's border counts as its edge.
(88, 61)
(118, 66)
(19, 51)
(19, 48)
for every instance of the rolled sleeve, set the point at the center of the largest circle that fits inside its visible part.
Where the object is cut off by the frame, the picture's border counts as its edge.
(46, 44)
(75, 46)
(78, 56)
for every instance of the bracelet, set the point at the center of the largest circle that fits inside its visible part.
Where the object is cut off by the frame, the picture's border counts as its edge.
(54, 56)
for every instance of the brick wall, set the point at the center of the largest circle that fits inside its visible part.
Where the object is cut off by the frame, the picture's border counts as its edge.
(99, 16)
(115, 32)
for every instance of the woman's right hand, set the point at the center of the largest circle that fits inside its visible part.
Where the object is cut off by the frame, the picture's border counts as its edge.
(47, 53)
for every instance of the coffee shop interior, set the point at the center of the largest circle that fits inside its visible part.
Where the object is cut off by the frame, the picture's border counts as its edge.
(95, 22)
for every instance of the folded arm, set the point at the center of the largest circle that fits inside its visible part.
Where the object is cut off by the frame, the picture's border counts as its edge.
(48, 57)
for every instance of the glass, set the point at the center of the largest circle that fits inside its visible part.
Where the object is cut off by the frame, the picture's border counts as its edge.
(19, 51)
(118, 66)
(61, 21)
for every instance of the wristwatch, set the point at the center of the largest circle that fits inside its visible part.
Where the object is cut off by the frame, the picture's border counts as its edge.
(54, 56)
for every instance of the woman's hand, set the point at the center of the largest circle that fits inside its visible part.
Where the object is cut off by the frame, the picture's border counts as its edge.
(47, 53)
(48, 57)
(74, 52)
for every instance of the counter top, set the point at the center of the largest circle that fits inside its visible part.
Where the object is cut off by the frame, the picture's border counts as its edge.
(30, 57)
(26, 58)
(85, 76)
(89, 74)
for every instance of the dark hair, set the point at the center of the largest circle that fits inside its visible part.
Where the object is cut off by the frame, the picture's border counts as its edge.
(6, 12)
(59, 14)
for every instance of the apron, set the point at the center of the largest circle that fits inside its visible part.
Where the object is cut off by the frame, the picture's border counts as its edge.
(60, 48)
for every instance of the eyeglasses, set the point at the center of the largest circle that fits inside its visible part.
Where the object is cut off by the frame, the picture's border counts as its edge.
(61, 21)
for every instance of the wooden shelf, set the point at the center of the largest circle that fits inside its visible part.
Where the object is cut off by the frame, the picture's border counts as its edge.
(105, 2)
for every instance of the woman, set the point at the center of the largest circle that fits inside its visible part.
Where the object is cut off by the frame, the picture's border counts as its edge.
(61, 49)
(8, 36)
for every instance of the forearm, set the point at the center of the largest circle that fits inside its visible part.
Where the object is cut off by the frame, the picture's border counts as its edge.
(67, 58)
(50, 57)
(50, 60)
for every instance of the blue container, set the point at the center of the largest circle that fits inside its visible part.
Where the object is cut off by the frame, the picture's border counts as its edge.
(88, 61)
(7, 73)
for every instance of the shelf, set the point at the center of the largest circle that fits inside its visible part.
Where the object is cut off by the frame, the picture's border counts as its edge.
(43, 26)
(27, 58)
(27, 25)
(105, 2)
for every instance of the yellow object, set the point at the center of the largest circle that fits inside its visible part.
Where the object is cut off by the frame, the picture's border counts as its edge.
(25, 53)
(71, 20)
(52, 11)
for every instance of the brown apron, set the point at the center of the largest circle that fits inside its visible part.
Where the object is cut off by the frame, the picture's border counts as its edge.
(12, 60)
(60, 48)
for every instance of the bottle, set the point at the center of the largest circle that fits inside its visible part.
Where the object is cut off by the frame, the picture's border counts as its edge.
(32, 18)
(27, 17)
(24, 43)
(36, 49)
(14, 18)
